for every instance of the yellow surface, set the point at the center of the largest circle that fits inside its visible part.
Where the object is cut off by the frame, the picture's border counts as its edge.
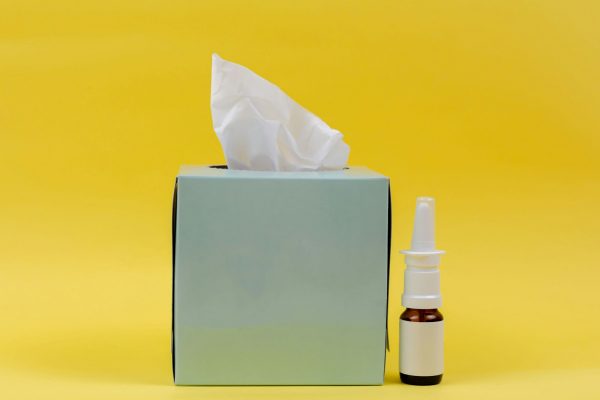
(493, 107)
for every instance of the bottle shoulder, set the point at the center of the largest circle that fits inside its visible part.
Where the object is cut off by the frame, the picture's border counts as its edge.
(416, 315)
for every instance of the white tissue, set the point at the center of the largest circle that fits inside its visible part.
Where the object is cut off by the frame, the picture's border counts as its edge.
(261, 128)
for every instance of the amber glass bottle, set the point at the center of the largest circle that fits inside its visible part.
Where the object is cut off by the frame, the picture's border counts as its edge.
(421, 316)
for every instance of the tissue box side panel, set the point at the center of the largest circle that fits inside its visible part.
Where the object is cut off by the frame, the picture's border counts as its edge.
(173, 241)
(389, 252)
(280, 281)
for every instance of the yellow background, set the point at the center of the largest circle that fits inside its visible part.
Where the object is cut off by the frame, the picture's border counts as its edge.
(493, 107)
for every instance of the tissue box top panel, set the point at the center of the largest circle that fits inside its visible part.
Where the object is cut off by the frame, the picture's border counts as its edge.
(220, 171)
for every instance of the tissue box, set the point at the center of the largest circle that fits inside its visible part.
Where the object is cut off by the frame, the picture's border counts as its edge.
(280, 278)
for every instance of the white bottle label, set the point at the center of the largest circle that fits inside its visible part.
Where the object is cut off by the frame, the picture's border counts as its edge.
(422, 348)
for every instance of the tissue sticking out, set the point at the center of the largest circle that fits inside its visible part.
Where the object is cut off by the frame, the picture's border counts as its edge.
(261, 128)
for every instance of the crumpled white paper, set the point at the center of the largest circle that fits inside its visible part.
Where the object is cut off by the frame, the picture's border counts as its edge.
(261, 128)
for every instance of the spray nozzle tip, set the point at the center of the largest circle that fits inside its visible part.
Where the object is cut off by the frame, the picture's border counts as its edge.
(423, 238)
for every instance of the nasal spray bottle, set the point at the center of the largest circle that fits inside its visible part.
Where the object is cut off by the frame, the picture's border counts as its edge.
(421, 324)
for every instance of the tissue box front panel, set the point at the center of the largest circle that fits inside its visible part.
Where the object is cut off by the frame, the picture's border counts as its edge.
(280, 278)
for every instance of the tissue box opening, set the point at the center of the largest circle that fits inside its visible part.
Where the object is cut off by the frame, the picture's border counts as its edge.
(280, 278)
(226, 167)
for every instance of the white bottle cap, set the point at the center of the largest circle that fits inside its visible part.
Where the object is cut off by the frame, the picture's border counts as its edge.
(422, 274)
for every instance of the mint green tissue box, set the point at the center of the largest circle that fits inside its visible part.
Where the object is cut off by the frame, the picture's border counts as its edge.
(280, 278)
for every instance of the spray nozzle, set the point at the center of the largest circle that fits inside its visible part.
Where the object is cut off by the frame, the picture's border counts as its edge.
(422, 275)
(423, 238)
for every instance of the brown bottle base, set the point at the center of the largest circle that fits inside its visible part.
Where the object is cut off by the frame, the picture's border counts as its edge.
(420, 380)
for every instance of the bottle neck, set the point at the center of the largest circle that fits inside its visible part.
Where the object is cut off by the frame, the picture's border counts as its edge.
(422, 315)
(422, 287)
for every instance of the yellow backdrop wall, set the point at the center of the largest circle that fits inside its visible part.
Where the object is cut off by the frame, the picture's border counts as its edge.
(492, 107)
